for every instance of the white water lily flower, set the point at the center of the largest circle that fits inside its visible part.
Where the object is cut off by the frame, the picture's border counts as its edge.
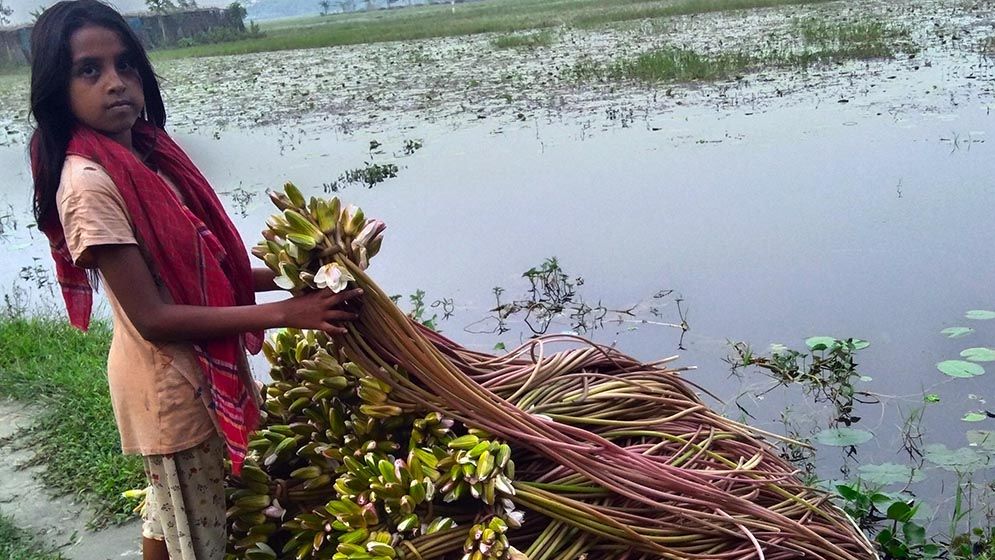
(516, 518)
(368, 233)
(333, 277)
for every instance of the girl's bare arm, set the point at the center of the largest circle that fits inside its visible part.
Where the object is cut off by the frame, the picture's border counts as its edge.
(125, 272)
(262, 280)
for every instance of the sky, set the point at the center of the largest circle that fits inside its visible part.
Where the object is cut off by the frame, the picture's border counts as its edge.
(23, 8)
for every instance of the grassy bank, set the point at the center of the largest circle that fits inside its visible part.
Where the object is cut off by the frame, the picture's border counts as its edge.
(48, 364)
(17, 545)
(489, 16)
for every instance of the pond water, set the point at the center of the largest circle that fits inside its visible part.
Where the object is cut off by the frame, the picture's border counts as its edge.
(869, 218)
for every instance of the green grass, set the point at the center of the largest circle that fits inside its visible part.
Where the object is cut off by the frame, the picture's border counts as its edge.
(488, 16)
(62, 372)
(812, 42)
(18, 545)
(864, 39)
(680, 65)
(526, 41)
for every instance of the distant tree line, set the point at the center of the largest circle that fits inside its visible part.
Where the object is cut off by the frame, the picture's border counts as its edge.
(350, 5)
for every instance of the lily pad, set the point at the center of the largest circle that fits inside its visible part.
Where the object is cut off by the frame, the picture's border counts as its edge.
(821, 342)
(931, 398)
(960, 368)
(981, 354)
(974, 416)
(985, 439)
(889, 473)
(957, 332)
(980, 314)
(842, 437)
(963, 460)
(859, 344)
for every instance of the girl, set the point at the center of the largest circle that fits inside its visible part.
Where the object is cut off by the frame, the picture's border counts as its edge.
(119, 200)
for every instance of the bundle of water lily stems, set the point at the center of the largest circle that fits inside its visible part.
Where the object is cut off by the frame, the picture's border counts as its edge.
(406, 445)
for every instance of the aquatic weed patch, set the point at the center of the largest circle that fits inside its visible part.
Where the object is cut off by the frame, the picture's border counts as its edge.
(681, 65)
(806, 42)
(527, 41)
(860, 39)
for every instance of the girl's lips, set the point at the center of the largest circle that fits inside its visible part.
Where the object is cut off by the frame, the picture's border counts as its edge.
(118, 104)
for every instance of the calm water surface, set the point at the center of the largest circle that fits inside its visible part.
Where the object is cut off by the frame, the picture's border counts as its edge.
(820, 218)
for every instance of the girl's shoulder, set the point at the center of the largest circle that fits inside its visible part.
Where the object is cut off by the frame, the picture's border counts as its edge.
(81, 175)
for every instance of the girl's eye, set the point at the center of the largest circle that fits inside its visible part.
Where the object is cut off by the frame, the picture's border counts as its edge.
(125, 65)
(87, 71)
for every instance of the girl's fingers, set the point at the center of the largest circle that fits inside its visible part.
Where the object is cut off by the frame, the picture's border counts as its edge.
(343, 297)
(339, 315)
(333, 329)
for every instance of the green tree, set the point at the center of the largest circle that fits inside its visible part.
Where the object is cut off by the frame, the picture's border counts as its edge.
(325, 4)
(159, 6)
(237, 11)
(36, 13)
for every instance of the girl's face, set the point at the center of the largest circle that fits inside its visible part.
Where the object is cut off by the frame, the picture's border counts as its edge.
(105, 89)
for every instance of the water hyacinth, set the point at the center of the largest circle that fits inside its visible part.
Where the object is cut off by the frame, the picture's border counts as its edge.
(395, 442)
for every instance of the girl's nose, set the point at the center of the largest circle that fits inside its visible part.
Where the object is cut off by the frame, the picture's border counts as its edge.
(114, 82)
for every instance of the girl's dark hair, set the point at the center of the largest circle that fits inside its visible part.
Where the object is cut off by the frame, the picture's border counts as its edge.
(51, 64)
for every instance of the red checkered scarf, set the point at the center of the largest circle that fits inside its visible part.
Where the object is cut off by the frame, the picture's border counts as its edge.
(194, 250)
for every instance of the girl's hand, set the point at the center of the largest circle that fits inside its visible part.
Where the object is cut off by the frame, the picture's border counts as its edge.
(321, 310)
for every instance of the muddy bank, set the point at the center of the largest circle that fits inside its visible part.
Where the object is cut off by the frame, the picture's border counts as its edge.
(59, 522)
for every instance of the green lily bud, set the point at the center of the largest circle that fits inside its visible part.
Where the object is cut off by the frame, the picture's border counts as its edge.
(294, 195)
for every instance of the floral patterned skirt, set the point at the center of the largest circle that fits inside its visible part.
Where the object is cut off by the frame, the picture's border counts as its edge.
(185, 504)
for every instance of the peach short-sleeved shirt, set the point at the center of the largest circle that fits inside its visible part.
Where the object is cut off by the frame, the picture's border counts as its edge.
(157, 389)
